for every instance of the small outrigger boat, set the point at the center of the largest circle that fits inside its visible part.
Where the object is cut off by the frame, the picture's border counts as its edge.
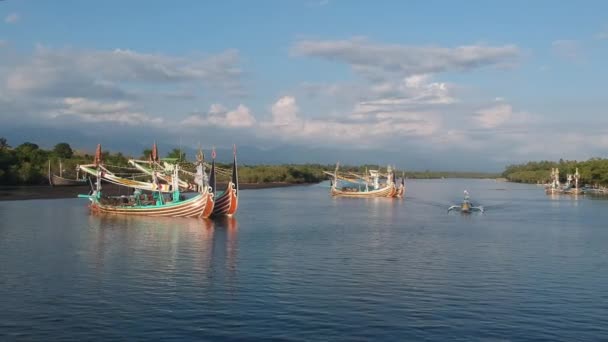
(366, 186)
(153, 203)
(466, 206)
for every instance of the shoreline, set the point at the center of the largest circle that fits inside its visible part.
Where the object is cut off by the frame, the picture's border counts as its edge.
(33, 192)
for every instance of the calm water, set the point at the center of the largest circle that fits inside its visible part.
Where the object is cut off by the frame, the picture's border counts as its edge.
(296, 264)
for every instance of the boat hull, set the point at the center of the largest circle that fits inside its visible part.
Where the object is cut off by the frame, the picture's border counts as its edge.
(400, 193)
(60, 181)
(227, 203)
(388, 191)
(200, 206)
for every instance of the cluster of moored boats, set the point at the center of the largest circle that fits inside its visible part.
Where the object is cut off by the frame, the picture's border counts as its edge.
(159, 187)
(571, 186)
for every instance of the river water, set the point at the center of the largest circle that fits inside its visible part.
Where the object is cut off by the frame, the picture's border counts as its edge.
(296, 264)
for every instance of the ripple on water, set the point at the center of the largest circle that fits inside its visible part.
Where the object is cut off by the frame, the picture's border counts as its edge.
(296, 264)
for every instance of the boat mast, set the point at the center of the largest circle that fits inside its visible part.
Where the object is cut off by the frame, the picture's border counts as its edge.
(60, 169)
(175, 183)
(212, 176)
(49, 174)
(199, 177)
(336, 175)
(98, 160)
(235, 172)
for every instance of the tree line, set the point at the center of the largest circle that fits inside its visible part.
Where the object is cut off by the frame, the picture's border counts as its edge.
(27, 164)
(593, 171)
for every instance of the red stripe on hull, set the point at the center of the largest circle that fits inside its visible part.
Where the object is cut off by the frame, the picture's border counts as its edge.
(199, 206)
(388, 191)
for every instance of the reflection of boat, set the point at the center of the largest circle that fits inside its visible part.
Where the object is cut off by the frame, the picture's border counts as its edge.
(150, 204)
(55, 180)
(466, 206)
(366, 186)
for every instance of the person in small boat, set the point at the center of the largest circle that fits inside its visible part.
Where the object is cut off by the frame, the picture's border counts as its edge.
(466, 206)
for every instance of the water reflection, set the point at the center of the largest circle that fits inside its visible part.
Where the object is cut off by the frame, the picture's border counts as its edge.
(226, 248)
(556, 198)
(165, 247)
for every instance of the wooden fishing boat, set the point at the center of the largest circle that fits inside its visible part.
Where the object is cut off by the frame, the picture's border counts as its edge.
(371, 186)
(226, 202)
(55, 180)
(151, 204)
(571, 187)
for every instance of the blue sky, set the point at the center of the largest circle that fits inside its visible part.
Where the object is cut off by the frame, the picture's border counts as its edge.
(419, 84)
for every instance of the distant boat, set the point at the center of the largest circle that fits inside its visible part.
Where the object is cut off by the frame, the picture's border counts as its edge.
(570, 188)
(367, 186)
(55, 180)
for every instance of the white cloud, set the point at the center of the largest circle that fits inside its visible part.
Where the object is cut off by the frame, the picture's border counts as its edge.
(12, 18)
(494, 116)
(121, 112)
(374, 60)
(219, 116)
(98, 73)
(284, 111)
(361, 129)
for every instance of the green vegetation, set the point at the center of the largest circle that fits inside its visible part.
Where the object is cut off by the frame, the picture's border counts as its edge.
(28, 164)
(295, 174)
(593, 171)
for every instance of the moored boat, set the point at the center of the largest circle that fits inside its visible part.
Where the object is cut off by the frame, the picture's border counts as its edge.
(153, 203)
(226, 202)
(367, 186)
(55, 180)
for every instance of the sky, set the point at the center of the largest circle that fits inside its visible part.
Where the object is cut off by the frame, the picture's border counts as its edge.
(440, 85)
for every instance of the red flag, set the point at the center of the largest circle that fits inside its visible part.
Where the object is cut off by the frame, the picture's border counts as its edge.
(154, 152)
(213, 153)
(98, 155)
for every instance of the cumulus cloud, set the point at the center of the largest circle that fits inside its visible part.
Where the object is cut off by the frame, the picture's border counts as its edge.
(284, 111)
(12, 18)
(412, 90)
(121, 112)
(360, 129)
(371, 59)
(219, 116)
